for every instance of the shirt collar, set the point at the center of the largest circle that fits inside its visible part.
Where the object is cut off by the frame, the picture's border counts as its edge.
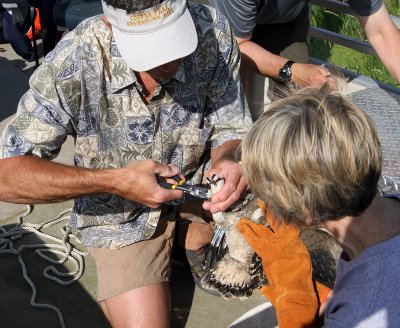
(121, 74)
(180, 73)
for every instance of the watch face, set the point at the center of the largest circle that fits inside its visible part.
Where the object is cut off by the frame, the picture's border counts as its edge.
(284, 76)
(285, 73)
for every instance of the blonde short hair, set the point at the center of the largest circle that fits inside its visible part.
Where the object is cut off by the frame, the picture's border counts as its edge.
(313, 152)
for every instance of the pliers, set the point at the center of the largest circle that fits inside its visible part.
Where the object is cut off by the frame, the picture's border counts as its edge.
(197, 191)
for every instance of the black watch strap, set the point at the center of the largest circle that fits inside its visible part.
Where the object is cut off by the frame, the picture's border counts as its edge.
(285, 73)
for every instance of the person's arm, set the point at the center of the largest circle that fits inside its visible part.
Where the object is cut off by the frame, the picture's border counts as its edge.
(224, 164)
(242, 16)
(385, 38)
(29, 179)
(261, 61)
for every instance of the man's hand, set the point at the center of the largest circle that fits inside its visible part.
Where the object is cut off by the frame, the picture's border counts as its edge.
(138, 182)
(234, 187)
(312, 75)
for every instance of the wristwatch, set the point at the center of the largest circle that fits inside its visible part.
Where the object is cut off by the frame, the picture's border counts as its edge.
(285, 73)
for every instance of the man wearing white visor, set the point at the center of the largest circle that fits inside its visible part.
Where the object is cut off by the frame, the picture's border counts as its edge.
(148, 91)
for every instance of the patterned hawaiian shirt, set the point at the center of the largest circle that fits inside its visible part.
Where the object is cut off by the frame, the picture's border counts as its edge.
(85, 89)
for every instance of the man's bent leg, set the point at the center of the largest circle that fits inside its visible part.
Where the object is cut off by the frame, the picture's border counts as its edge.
(148, 306)
(133, 281)
(195, 226)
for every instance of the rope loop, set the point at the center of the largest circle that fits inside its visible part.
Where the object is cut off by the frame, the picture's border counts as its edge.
(59, 246)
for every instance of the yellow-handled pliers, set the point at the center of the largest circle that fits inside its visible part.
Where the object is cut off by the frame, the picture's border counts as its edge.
(198, 191)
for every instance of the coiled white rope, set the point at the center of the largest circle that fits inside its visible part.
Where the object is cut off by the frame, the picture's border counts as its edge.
(61, 247)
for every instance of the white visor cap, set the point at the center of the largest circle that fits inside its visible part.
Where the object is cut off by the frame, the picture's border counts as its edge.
(155, 36)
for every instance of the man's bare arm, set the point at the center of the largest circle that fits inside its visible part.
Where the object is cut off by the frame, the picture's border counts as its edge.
(28, 179)
(256, 59)
(385, 38)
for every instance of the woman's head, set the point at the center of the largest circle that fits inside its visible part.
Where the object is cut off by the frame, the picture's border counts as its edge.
(313, 152)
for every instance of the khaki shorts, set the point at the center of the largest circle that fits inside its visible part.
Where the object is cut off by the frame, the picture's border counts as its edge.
(144, 263)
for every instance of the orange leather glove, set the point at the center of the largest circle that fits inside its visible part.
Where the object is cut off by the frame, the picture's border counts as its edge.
(287, 265)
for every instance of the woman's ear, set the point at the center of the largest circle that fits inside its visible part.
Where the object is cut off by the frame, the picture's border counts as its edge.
(308, 220)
